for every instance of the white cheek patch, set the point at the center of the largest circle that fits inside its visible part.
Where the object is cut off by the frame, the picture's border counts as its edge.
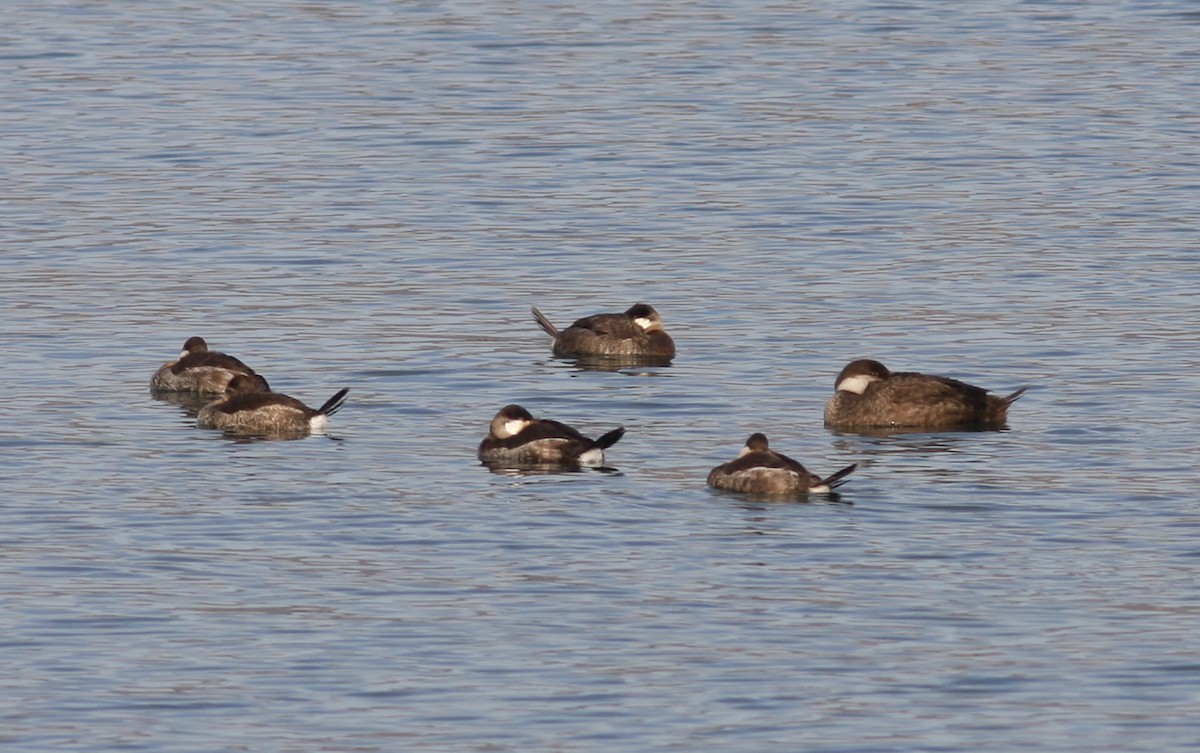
(515, 426)
(642, 322)
(745, 451)
(183, 354)
(856, 384)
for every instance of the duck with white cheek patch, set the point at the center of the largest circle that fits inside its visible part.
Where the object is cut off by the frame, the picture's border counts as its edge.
(517, 438)
(867, 395)
(636, 333)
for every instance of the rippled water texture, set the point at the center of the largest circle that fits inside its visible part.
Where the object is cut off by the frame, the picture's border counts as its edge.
(372, 195)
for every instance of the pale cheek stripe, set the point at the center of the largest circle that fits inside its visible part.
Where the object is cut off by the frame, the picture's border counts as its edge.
(855, 384)
(514, 427)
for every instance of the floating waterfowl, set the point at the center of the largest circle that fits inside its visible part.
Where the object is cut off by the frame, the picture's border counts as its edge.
(516, 437)
(246, 409)
(760, 471)
(868, 395)
(637, 333)
(201, 371)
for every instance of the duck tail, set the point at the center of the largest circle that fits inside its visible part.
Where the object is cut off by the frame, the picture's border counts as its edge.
(1010, 399)
(333, 404)
(609, 439)
(838, 478)
(544, 323)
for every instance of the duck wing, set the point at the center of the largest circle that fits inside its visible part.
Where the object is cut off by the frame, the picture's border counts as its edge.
(210, 359)
(927, 389)
(615, 325)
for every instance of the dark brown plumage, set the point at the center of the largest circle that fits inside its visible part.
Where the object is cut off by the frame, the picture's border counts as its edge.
(247, 409)
(868, 395)
(202, 371)
(635, 334)
(758, 470)
(516, 437)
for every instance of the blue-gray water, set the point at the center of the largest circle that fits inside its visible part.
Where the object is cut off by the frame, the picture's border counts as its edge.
(372, 194)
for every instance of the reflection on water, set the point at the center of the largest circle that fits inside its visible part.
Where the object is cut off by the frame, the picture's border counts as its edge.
(902, 439)
(623, 364)
(534, 469)
(375, 193)
(190, 402)
(249, 437)
(749, 501)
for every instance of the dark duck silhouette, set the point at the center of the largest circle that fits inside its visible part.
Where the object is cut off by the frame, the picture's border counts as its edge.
(201, 371)
(760, 471)
(246, 409)
(868, 395)
(516, 437)
(635, 334)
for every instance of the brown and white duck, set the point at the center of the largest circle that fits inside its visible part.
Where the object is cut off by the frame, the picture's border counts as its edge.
(636, 333)
(760, 471)
(516, 437)
(201, 371)
(868, 395)
(246, 409)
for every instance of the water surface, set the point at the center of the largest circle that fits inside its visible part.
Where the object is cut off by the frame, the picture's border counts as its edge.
(373, 194)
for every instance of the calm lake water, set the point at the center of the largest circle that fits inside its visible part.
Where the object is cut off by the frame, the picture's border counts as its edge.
(372, 194)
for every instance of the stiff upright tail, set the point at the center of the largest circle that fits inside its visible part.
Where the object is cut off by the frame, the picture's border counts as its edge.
(334, 404)
(838, 478)
(609, 439)
(544, 323)
(1010, 399)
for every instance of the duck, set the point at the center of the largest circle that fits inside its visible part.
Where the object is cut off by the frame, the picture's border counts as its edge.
(868, 395)
(516, 437)
(759, 470)
(246, 409)
(201, 371)
(637, 333)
